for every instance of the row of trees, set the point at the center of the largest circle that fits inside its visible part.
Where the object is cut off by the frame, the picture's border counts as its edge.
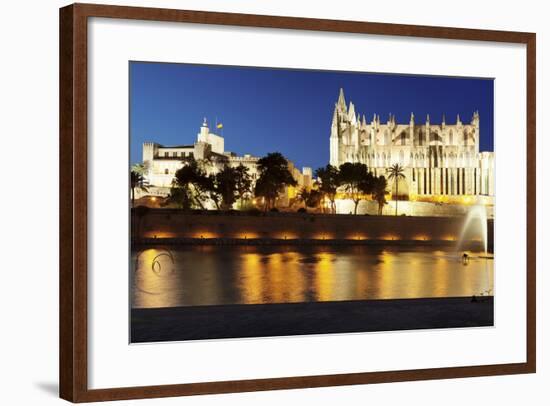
(355, 180)
(192, 187)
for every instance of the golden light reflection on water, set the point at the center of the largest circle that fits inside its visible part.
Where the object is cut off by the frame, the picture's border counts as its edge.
(148, 278)
(208, 275)
(252, 286)
(324, 276)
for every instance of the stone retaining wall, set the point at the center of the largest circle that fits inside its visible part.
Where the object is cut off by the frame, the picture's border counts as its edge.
(175, 224)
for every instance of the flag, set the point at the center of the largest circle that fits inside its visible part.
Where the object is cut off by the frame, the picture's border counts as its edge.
(220, 125)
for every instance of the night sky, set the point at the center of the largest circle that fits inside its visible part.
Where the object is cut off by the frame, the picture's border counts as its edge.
(290, 111)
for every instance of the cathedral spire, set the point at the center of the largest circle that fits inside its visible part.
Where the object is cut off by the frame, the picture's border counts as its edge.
(475, 118)
(342, 100)
(351, 113)
(458, 119)
(335, 114)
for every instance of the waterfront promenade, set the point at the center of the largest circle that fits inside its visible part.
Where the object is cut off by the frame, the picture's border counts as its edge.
(227, 321)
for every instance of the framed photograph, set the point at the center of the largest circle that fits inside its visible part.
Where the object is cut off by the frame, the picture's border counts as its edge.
(256, 202)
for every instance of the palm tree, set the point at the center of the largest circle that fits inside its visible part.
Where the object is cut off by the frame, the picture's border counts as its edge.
(137, 182)
(395, 172)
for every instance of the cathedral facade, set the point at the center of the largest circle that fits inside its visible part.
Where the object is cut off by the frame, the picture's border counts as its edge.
(437, 159)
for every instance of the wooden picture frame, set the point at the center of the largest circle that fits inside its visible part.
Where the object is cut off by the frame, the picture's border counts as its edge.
(73, 201)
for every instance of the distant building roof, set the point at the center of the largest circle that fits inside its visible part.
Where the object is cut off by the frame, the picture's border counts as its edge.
(176, 146)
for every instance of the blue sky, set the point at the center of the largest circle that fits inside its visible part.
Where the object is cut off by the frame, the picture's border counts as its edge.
(289, 111)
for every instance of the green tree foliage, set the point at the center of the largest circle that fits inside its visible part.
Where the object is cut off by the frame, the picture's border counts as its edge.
(274, 177)
(379, 192)
(224, 188)
(137, 181)
(195, 184)
(314, 199)
(310, 197)
(303, 195)
(243, 182)
(356, 180)
(329, 182)
(180, 197)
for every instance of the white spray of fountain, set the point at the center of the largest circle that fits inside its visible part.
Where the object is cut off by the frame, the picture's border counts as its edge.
(477, 216)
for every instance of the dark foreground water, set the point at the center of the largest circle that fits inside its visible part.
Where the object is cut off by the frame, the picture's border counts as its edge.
(214, 275)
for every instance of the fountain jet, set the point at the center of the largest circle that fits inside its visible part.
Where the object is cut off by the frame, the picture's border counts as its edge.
(476, 217)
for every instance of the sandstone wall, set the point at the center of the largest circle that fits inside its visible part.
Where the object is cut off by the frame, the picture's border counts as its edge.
(169, 223)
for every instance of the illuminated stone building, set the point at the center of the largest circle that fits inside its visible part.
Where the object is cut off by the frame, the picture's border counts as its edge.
(161, 162)
(438, 159)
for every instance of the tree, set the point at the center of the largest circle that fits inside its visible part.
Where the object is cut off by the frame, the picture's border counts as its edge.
(243, 182)
(193, 180)
(379, 192)
(314, 198)
(356, 181)
(329, 182)
(179, 196)
(274, 177)
(224, 188)
(137, 181)
(395, 172)
(303, 195)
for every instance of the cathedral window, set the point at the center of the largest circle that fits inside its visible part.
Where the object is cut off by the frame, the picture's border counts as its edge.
(166, 171)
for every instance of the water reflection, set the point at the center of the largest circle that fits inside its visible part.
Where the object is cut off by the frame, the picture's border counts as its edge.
(208, 275)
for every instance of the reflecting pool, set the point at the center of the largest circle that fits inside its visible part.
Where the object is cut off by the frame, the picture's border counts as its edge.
(212, 275)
